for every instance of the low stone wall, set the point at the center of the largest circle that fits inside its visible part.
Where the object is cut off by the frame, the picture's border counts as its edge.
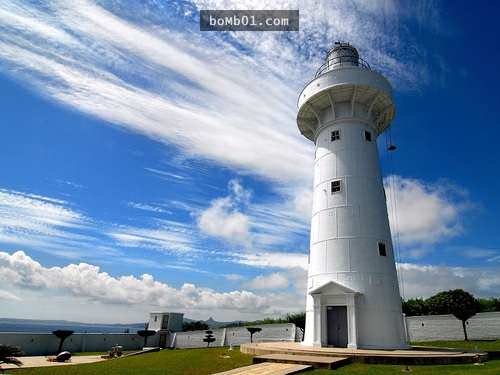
(47, 343)
(447, 327)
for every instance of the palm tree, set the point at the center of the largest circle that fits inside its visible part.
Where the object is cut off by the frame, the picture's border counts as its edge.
(8, 355)
(62, 335)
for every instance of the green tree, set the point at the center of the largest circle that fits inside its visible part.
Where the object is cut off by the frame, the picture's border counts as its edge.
(497, 304)
(253, 331)
(299, 319)
(8, 355)
(415, 307)
(62, 334)
(457, 302)
(209, 338)
(487, 304)
(194, 326)
(146, 333)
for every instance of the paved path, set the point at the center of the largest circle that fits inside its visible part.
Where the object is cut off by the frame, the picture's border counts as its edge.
(267, 368)
(41, 361)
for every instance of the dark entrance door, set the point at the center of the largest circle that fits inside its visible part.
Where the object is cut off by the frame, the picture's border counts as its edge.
(336, 325)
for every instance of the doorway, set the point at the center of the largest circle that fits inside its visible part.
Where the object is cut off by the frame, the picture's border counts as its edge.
(336, 325)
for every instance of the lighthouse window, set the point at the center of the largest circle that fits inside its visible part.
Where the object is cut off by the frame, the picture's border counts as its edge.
(382, 251)
(368, 136)
(335, 135)
(336, 186)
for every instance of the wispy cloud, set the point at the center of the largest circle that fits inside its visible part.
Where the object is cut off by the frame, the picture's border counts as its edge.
(162, 235)
(148, 207)
(162, 82)
(37, 219)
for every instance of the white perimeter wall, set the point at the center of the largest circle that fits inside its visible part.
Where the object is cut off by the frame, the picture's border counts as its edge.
(236, 336)
(447, 327)
(47, 343)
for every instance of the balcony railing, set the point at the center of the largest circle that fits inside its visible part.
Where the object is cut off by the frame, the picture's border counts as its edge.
(342, 62)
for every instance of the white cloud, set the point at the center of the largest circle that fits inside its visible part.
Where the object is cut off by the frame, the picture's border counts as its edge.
(426, 213)
(34, 219)
(232, 103)
(275, 280)
(148, 207)
(4, 295)
(479, 253)
(417, 253)
(284, 260)
(222, 218)
(233, 277)
(88, 281)
(166, 235)
(426, 280)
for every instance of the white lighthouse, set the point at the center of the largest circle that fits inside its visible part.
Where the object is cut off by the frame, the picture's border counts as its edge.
(353, 295)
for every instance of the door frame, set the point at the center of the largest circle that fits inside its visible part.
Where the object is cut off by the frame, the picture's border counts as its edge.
(321, 302)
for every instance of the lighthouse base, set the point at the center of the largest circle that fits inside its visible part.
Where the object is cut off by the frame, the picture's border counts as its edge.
(336, 317)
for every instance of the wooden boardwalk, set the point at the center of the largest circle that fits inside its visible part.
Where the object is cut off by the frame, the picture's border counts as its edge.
(313, 360)
(407, 356)
(268, 368)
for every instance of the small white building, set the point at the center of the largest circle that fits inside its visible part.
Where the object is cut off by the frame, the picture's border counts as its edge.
(353, 295)
(170, 321)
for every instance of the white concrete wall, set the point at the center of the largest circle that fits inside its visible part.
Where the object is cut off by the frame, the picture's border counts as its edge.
(447, 327)
(47, 343)
(173, 321)
(236, 336)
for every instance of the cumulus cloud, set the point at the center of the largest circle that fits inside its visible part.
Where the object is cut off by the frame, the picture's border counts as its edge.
(272, 281)
(88, 281)
(222, 218)
(426, 280)
(426, 213)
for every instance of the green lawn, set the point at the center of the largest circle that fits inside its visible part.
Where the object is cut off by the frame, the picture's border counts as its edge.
(489, 368)
(208, 361)
(481, 345)
(166, 362)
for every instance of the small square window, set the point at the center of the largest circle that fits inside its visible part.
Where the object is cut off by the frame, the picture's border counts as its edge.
(335, 135)
(368, 136)
(336, 186)
(382, 251)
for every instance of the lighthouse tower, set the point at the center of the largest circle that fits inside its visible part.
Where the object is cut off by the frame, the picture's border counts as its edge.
(353, 295)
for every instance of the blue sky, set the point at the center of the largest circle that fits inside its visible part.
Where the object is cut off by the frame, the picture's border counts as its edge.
(150, 166)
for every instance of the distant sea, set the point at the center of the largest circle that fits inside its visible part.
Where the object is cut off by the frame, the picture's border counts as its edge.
(47, 326)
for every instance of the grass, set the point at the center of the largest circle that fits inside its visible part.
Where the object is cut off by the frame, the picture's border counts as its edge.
(209, 361)
(489, 368)
(480, 344)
